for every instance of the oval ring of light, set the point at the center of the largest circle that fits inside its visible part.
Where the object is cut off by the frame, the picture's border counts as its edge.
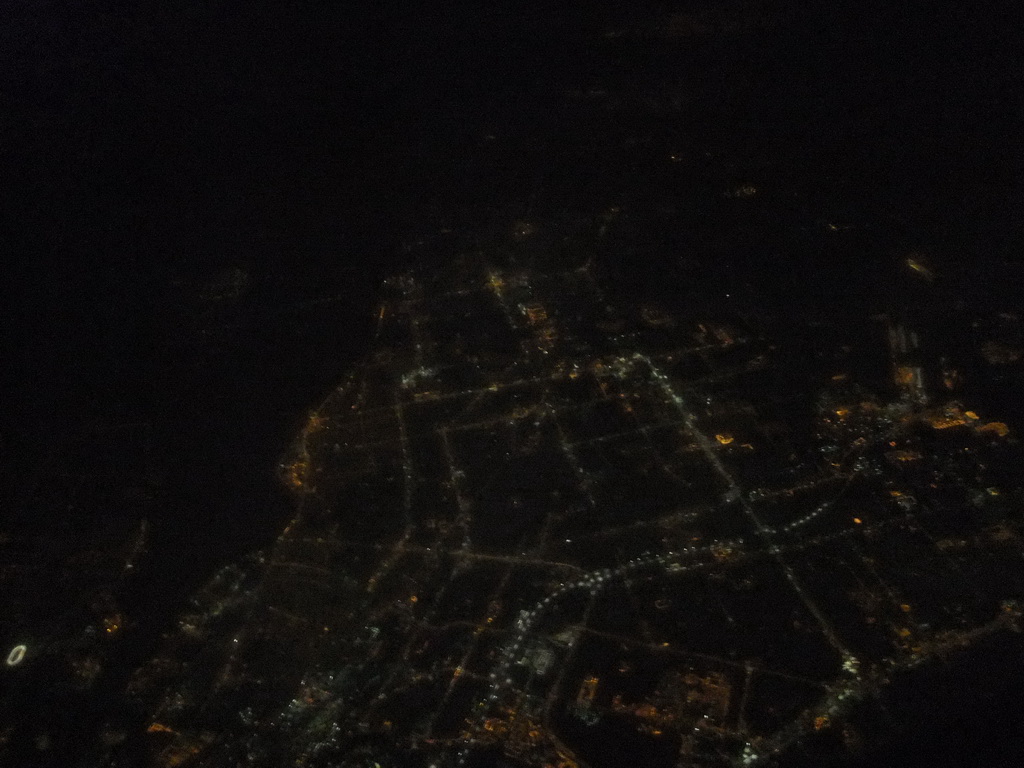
(14, 658)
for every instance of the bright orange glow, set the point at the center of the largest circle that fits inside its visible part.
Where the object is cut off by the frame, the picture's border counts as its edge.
(295, 473)
(996, 428)
(941, 423)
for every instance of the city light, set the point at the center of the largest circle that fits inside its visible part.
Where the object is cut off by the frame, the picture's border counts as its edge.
(17, 655)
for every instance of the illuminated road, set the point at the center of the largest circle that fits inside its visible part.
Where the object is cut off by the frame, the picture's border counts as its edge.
(501, 683)
(593, 582)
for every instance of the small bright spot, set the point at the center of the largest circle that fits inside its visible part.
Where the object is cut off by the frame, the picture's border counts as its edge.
(857, 520)
(17, 654)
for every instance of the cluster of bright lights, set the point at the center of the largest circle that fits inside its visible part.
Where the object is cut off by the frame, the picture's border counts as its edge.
(593, 582)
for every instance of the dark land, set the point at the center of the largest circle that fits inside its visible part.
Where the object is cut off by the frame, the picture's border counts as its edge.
(526, 387)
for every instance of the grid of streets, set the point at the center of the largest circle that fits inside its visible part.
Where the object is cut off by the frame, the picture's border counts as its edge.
(534, 525)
